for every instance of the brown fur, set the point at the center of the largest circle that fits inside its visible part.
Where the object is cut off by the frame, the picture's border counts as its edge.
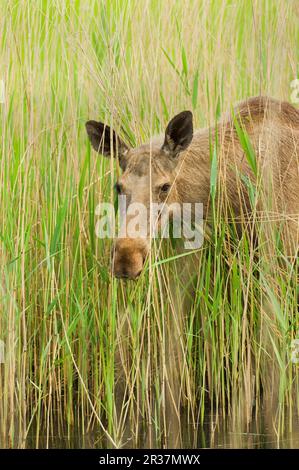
(273, 129)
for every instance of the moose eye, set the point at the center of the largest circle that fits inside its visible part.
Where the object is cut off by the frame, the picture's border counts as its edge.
(118, 188)
(165, 188)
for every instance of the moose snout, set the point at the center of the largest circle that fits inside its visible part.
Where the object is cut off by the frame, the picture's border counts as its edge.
(129, 257)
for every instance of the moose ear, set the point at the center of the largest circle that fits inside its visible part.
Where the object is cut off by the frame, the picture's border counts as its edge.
(178, 134)
(105, 141)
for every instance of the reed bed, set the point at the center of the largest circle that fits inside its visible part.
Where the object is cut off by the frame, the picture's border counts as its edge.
(195, 333)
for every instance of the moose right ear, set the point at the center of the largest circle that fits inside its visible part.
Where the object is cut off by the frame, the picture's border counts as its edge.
(105, 141)
(179, 133)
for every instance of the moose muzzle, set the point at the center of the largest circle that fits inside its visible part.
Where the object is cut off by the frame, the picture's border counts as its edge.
(128, 257)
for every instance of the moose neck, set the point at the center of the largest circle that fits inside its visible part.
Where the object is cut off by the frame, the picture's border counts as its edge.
(193, 169)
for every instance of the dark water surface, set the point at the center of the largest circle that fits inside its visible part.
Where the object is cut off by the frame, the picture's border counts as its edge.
(261, 433)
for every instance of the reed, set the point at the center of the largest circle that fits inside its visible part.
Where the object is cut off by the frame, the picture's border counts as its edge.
(83, 350)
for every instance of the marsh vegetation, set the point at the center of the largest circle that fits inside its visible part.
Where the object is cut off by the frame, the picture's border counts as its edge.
(201, 337)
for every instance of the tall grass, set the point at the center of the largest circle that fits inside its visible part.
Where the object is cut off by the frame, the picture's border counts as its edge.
(82, 349)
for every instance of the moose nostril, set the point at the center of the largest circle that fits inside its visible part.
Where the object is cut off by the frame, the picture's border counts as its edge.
(123, 273)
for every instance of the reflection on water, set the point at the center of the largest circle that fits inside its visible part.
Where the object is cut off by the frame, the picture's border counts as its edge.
(213, 433)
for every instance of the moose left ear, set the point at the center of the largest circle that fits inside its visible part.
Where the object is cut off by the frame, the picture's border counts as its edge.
(179, 133)
(105, 141)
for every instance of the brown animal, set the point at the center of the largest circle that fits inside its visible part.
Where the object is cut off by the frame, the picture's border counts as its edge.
(178, 169)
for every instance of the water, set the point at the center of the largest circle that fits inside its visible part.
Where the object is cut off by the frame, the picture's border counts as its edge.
(263, 432)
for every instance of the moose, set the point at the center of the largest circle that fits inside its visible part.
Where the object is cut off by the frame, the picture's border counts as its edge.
(177, 168)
